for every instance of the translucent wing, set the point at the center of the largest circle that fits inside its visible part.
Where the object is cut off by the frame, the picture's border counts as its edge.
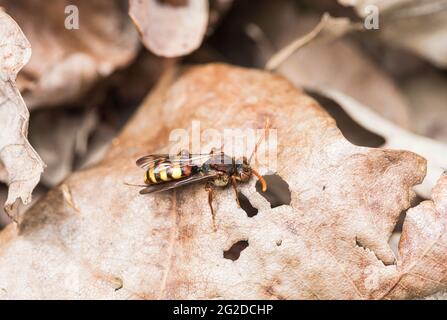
(182, 160)
(149, 160)
(178, 183)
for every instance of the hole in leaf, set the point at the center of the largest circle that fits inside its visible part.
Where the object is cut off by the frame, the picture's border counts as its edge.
(351, 130)
(400, 222)
(358, 244)
(4, 219)
(278, 192)
(246, 205)
(394, 239)
(235, 251)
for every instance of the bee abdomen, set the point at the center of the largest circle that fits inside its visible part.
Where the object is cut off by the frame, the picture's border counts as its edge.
(166, 171)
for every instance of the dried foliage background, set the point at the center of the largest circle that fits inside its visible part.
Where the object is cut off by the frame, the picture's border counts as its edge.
(361, 212)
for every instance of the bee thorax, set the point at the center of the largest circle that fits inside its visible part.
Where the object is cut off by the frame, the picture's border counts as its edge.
(221, 181)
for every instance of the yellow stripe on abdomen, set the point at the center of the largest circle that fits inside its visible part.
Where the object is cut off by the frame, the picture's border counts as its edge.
(163, 174)
(176, 173)
(152, 175)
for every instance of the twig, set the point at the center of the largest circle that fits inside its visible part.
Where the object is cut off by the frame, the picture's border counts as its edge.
(282, 55)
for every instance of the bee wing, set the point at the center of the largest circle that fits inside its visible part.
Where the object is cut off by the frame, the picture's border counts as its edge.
(147, 161)
(177, 183)
(193, 159)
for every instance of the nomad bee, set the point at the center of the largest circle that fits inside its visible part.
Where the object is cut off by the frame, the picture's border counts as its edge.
(216, 169)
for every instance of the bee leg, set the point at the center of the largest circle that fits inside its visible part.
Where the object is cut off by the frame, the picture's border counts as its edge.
(234, 184)
(209, 188)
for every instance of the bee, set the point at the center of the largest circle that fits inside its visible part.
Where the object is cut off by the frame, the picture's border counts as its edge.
(216, 169)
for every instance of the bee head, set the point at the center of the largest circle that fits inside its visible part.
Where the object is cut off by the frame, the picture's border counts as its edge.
(243, 170)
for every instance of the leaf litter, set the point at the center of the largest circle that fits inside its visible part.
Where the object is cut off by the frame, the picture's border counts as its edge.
(343, 204)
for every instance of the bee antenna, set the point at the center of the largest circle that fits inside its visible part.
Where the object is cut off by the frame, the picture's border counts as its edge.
(261, 180)
(135, 185)
(266, 130)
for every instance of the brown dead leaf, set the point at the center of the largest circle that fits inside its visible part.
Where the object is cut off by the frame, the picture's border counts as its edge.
(427, 94)
(67, 62)
(78, 137)
(395, 137)
(331, 242)
(3, 173)
(21, 163)
(100, 142)
(422, 257)
(327, 61)
(4, 219)
(328, 28)
(419, 26)
(59, 143)
(170, 28)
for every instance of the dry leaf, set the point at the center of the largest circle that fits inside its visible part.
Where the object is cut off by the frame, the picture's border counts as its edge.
(170, 28)
(98, 146)
(395, 137)
(67, 62)
(78, 137)
(328, 28)
(60, 143)
(420, 26)
(4, 219)
(98, 238)
(125, 90)
(327, 61)
(3, 174)
(422, 257)
(427, 94)
(21, 163)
